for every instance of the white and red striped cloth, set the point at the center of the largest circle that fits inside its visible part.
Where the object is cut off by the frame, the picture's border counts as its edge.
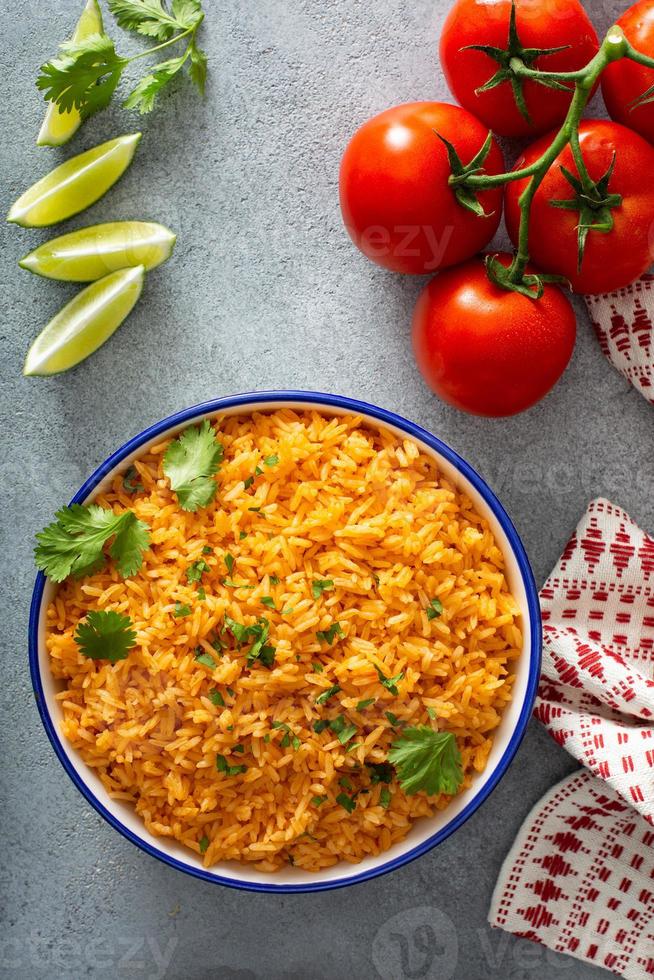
(623, 324)
(580, 876)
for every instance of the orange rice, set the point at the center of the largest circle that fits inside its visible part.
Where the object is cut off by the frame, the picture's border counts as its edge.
(347, 503)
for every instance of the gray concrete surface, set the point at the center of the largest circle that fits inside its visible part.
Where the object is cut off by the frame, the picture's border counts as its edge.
(264, 291)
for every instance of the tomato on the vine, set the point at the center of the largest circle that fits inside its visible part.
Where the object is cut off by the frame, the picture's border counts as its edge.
(624, 81)
(397, 204)
(485, 349)
(620, 246)
(483, 80)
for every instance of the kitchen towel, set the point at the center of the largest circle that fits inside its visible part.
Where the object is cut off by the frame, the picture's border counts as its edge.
(580, 876)
(623, 324)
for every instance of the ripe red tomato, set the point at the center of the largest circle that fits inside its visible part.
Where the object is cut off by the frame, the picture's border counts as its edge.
(611, 259)
(624, 80)
(539, 24)
(396, 202)
(486, 350)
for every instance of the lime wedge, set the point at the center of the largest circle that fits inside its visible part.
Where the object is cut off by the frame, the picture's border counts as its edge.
(58, 127)
(90, 253)
(74, 185)
(85, 323)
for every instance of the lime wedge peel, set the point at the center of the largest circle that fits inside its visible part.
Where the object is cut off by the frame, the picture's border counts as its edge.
(58, 127)
(90, 253)
(75, 184)
(85, 323)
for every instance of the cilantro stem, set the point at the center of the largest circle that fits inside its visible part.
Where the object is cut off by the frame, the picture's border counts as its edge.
(164, 44)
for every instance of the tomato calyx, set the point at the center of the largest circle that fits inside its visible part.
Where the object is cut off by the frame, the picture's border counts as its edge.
(511, 60)
(529, 284)
(460, 172)
(594, 203)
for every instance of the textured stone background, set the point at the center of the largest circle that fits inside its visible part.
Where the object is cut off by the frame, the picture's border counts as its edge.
(264, 291)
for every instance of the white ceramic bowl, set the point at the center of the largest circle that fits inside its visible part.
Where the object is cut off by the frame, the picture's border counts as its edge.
(425, 833)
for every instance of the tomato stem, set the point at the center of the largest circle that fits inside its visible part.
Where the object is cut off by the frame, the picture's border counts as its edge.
(614, 47)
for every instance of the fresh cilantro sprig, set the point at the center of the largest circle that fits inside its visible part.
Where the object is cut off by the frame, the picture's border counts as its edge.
(86, 73)
(106, 635)
(73, 544)
(427, 760)
(190, 463)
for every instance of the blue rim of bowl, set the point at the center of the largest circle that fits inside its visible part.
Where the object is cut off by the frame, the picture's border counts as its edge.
(248, 400)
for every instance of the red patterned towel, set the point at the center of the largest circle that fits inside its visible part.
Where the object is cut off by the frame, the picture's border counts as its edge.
(623, 323)
(580, 876)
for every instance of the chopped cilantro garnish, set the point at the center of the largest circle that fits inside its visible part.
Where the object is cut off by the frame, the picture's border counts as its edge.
(266, 737)
(385, 797)
(248, 483)
(181, 610)
(255, 510)
(289, 738)
(216, 698)
(394, 720)
(353, 746)
(238, 748)
(390, 683)
(320, 585)
(202, 595)
(346, 802)
(231, 692)
(131, 483)
(267, 600)
(203, 844)
(317, 667)
(329, 693)
(196, 570)
(222, 765)
(274, 579)
(267, 655)
(258, 471)
(432, 713)
(106, 635)
(380, 772)
(318, 800)
(204, 658)
(427, 760)
(434, 609)
(229, 562)
(242, 535)
(321, 725)
(362, 705)
(190, 463)
(345, 783)
(207, 550)
(271, 460)
(343, 731)
(258, 633)
(218, 645)
(236, 585)
(328, 636)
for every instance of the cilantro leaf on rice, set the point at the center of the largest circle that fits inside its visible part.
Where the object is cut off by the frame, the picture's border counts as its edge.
(427, 760)
(190, 463)
(73, 544)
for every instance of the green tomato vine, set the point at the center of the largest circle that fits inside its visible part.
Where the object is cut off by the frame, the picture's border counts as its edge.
(591, 198)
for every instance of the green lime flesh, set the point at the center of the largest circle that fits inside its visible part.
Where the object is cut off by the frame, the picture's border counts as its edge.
(85, 323)
(90, 253)
(75, 184)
